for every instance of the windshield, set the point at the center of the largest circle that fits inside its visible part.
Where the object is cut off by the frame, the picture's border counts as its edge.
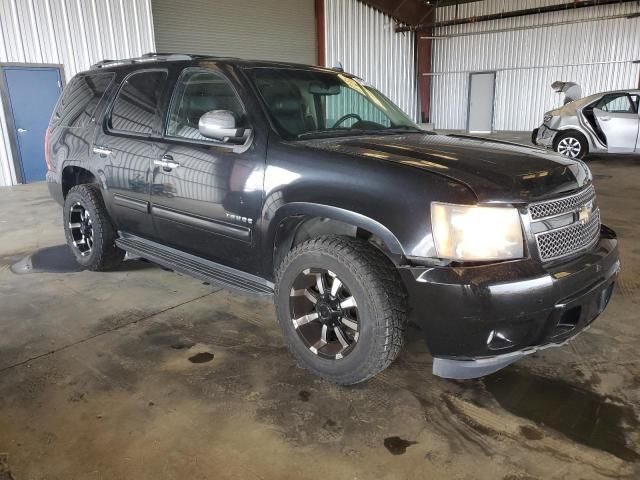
(312, 104)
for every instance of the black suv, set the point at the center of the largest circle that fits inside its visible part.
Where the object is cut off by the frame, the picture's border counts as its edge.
(307, 184)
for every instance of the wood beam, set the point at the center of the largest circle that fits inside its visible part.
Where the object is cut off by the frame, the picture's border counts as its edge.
(424, 45)
(320, 36)
(409, 12)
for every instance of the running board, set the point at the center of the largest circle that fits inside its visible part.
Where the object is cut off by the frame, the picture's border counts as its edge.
(194, 266)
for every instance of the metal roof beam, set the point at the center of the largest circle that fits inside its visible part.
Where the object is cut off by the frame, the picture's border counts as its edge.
(514, 13)
(409, 12)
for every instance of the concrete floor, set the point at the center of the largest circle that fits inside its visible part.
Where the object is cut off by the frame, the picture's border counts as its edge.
(144, 374)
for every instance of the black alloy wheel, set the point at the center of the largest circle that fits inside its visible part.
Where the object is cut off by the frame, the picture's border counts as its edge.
(89, 231)
(81, 229)
(324, 313)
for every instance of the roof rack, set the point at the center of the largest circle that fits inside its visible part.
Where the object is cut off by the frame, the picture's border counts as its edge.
(147, 57)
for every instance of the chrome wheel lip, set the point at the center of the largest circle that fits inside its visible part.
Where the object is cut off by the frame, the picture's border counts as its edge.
(81, 229)
(569, 147)
(324, 313)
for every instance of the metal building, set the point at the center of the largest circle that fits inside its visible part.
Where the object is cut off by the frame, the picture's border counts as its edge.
(262, 29)
(62, 37)
(595, 47)
(465, 65)
(43, 43)
(364, 42)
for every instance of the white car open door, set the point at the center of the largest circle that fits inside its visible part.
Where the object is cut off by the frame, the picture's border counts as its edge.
(617, 117)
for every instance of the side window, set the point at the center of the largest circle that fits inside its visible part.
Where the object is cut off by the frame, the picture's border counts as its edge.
(81, 98)
(135, 109)
(620, 103)
(196, 93)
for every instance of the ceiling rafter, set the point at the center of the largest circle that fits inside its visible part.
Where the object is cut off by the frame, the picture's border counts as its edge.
(411, 12)
(408, 12)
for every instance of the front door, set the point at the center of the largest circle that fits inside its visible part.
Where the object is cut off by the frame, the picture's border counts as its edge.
(617, 117)
(206, 195)
(125, 148)
(32, 95)
(481, 93)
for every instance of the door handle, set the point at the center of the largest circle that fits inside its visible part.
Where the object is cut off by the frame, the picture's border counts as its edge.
(167, 163)
(606, 118)
(22, 130)
(101, 150)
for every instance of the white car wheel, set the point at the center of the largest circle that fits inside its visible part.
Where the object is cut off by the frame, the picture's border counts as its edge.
(569, 147)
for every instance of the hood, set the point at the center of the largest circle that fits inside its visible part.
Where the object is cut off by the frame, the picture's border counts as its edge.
(495, 171)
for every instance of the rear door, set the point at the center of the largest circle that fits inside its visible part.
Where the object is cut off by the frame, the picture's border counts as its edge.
(617, 117)
(207, 195)
(125, 147)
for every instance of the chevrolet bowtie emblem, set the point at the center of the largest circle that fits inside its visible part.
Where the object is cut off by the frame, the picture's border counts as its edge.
(584, 214)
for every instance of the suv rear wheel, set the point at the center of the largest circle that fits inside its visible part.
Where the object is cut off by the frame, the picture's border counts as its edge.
(88, 229)
(572, 145)
(342, 308)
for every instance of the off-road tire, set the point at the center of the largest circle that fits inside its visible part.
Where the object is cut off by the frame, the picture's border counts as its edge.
(375, 284)
(104, 254)
(568, 136)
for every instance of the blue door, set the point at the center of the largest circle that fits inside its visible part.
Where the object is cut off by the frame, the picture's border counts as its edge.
(33, 93)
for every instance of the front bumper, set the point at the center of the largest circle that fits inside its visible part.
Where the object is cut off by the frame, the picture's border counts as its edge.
(477, 320)
(544, 136)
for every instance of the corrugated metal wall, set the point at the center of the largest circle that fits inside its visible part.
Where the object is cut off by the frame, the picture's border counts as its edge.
(74, 33)
(595, 54)
(282, 30)
(364, 41)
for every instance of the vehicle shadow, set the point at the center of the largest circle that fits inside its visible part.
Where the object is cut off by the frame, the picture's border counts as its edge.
(60, 259)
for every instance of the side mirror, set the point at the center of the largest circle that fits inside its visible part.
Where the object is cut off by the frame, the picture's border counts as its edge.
(221, 125)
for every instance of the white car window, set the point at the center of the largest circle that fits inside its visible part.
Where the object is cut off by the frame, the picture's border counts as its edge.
(617, 104)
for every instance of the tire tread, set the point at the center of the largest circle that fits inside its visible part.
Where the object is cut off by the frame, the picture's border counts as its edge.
(107, 256)
(386, 293)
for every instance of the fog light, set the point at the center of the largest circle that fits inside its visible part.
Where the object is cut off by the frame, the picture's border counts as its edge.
(605, 296)
(498, 341)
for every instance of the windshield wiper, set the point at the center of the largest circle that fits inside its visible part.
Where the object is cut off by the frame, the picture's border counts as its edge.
(359, 131)
(333, 131)
(404, 128)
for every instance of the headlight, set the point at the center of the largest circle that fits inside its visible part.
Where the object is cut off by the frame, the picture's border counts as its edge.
(547, 117)
(470, 233)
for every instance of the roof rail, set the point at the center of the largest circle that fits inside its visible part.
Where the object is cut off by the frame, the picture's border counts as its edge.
(147, 57)
(102, 63)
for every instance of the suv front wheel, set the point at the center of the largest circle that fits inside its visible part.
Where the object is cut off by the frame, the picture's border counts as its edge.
(88, 229)
(341, 306)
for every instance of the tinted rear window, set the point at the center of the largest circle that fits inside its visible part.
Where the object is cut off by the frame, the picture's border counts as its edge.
(135, 109)
(81, 98)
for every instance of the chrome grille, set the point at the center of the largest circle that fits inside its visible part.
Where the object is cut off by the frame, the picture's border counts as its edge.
(562, 205)
(565, 226)
(570, 239)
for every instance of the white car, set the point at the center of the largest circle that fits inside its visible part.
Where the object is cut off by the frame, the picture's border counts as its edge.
(602, 123)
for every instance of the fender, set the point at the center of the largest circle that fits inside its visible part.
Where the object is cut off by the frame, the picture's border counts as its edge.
(577, 128)
(585, 129)
(591, 137)
(98, 174)
(340, 214)
(334, 213)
